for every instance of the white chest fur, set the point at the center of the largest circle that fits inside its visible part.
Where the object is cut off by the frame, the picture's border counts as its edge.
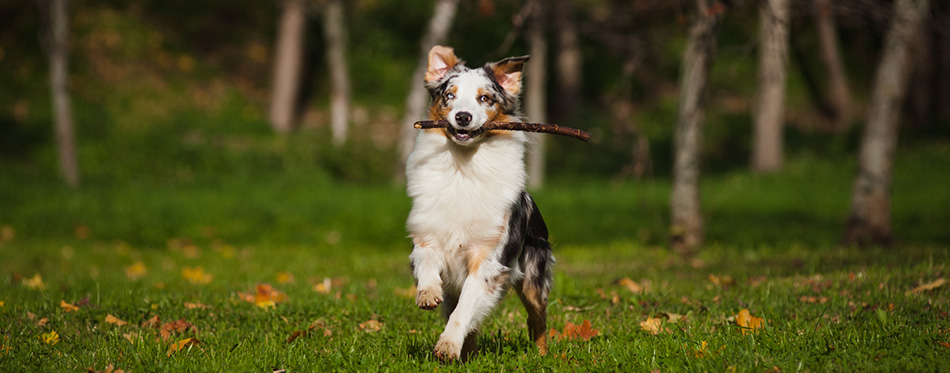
(462, 195)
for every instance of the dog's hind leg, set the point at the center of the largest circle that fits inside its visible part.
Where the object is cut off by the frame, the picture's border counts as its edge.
(536, 261)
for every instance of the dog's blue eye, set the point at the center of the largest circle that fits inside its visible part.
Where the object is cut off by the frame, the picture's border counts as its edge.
(449, 96)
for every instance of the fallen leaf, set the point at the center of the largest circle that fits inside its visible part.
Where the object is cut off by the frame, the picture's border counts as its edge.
(371, 326)
(67, 307)
(191, 306)
(811, 299)
(135, 271)
(652, 325)
(178, 346)
(748, 323)
(631, 285)
(285, 277)
(177, 326)
(196, 275)
(573, 331)
(114, 320)
(928, 286)
(109, 369)
(130, 336)
(2, 303)
(35, 282)
(721, 281)
(323, 287)
(671, 317)
(265, 296)
(51, 338)
(702, 351)
(407, 292)
(153, 322)
(944, 344)
(42, 321)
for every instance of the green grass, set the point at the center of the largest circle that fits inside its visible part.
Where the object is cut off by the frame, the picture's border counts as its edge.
(772, 246)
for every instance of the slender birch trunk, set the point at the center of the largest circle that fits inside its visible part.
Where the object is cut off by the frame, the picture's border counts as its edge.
(335, 35)
(567, 60)
(839, 95)
(869, 222)
(535, 93)
(287, 65)
(437, 32)
(686, 224)
(59, 86)
(768, 115)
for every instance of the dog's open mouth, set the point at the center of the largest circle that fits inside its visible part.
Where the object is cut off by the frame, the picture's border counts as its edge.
(460, 135)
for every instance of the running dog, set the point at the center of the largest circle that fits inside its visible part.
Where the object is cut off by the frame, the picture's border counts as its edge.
(475, 229)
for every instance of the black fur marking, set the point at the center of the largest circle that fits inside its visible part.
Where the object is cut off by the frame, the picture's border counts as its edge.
(536, 259)
(517, 228)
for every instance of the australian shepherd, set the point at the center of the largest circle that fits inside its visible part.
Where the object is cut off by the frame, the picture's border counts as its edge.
(475, 229)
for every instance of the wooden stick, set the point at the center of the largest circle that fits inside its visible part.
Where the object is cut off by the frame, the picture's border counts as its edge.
(514, 126)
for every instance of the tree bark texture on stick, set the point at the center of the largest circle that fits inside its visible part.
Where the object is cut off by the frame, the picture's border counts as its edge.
(334, 32)
(768, 116)
(287, 65)
(839, 95)
(869, 222)
(59, 87)
(535, 92)
(436, 33)
(686, 226)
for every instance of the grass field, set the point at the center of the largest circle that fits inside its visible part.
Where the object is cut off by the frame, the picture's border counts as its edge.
(119, 274)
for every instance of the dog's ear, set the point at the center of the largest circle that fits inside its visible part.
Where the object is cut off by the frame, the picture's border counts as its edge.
(441, 60)
(508, 73)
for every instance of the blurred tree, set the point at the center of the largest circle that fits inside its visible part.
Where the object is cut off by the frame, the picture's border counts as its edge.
(438, 31)
(536, 91)
(686, 226)
(568, 60)
(768, 113)
(870, 218)
(59, 87)
(335, 34)
(287, 65)
(839, 95)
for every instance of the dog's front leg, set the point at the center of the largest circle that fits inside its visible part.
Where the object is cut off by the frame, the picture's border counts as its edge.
(426, 268)
(481, 291)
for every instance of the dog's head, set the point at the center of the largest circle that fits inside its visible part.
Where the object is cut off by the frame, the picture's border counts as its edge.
(469, 98)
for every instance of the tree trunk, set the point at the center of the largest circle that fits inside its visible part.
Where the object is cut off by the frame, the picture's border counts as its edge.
(335, 34)
(870, 222)
(839, 95)
(287, 66)
(535, 93)
(568, 61)
(686, 224)
(437, 32)
(59, 76)
(768, 116)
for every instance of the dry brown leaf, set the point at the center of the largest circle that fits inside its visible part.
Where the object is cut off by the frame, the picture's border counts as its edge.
(652, 325)
(265, 296)
(177, 326)
(114, 320)
(721, 281)
(371, 326)
(191, 306)
(130, 336)
(944, 344)
(573, 331)
(108, 369)
(67, 307)
(928, 286)
(42, 321)
(631, 285)
(811, 299)
(178, 346)
(748, 323)
(152, 322)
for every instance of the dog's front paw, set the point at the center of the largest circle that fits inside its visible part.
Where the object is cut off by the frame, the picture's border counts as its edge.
(429, 299)
(447, 350)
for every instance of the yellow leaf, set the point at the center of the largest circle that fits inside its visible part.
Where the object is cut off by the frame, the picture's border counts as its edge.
(178, 346)
(928, 286)
(36, 282)
(285, 277)
(748, 323)
(68, 307)
(631, 285)
(196, 275)
(191, 306)
(324, 287)
(50, 338)
(114, 320)
(2, 303)
(265, 296)
(701, 352)
(652, 325)
(135, 271)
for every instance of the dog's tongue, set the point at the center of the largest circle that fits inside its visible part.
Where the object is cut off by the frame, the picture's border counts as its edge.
(462, 136)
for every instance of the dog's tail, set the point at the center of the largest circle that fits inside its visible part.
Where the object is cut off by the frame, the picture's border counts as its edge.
(536, 261)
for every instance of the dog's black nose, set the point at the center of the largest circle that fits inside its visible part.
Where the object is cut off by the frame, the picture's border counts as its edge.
(463, 119)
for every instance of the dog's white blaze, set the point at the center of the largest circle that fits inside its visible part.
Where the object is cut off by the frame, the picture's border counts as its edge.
(466, 98)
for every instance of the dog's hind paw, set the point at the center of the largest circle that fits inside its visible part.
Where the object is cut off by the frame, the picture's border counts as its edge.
(428, 299)
(447, 350)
